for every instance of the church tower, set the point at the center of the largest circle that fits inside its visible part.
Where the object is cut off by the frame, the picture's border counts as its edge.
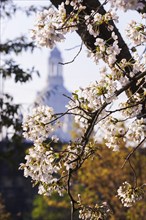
(54, 91)
(55, 76)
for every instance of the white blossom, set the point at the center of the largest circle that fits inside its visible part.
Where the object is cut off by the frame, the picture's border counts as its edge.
(51, 25)
(132, 107)
(37, 126)
(98, 212)
(72, 156)
(105, 51)
(136, 130)
(40, 166)
(95, 19)
(86, 101)
(126, 4)
(129, 195)
(47, 28)
(114, 132)
(55, 139)
(136, 32)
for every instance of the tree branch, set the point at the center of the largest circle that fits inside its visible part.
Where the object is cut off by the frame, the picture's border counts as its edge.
(105, 34)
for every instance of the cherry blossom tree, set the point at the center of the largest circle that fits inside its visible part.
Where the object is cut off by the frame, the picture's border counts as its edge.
(97, 109)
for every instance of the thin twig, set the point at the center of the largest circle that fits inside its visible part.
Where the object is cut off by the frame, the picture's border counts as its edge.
(69, 62)
(72, 48)
(134, 173)
(133, 151)
(124, 108)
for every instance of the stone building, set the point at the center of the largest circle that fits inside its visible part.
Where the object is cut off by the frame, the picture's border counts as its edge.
(55, 94)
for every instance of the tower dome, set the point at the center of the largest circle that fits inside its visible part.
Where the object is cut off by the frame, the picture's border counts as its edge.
(53, 93)
(55, 53)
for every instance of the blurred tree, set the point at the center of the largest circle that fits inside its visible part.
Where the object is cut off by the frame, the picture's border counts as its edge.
(9, 68)
(11, 148)
(56, 208)
(103, 173)
(4, 215)
(92, 180)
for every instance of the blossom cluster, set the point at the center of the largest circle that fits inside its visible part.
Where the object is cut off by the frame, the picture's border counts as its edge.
(116, 131)
(126, 5)
(98, 212)
(95, 19)
(132, 107)
(44, 164)
(85, 102)
(48, 167)
(136, 32)
(46, 32)
(41, 167)
(105, 51)
(129, 195)
(51, 25)
(40, 162)
(136, 130)
(139, 64)
(72, 156)
(37, 126)
(119, 71)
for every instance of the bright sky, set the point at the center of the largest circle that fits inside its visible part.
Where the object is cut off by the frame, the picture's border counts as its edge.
(79, 73)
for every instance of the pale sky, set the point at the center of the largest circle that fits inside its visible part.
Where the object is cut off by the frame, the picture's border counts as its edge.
(77, 74)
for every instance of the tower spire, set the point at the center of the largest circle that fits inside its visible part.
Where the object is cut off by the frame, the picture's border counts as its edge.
(55, 76)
